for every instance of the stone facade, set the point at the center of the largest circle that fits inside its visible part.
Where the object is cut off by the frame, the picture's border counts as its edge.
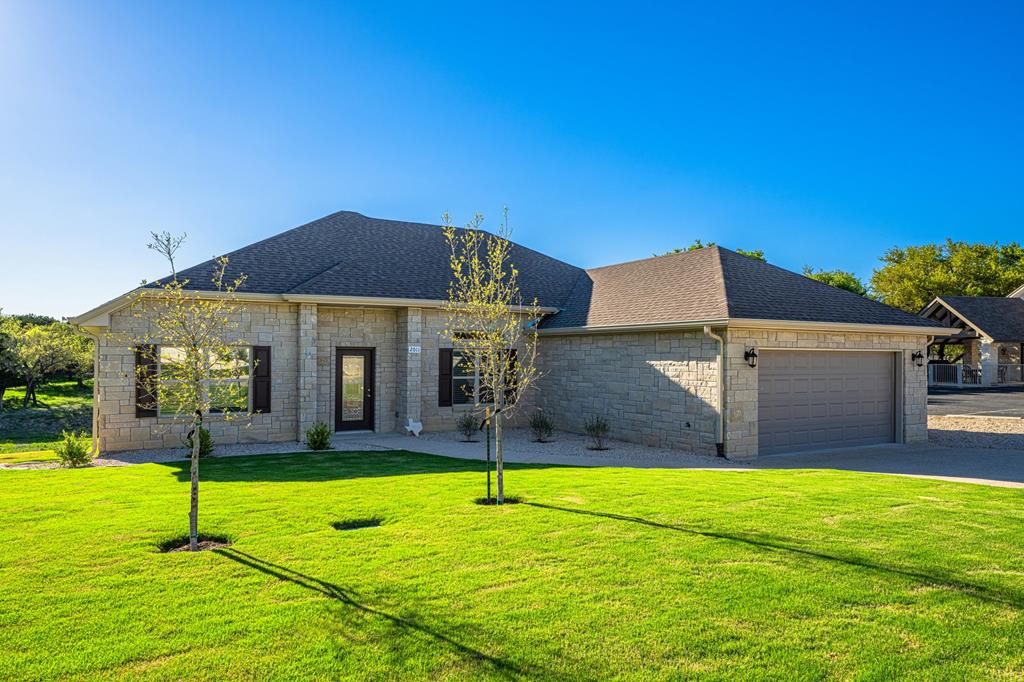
(259, 324)
(657, 388)
(741, 379)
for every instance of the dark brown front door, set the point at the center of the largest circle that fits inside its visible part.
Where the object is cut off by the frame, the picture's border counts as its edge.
(353, 395)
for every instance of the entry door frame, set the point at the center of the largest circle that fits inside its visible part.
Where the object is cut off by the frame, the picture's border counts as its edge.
(369, 389)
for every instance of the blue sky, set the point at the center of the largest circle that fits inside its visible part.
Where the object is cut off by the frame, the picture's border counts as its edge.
(823, 135)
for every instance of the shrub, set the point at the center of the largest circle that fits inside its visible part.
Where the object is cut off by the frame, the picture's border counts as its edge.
(74, 451)
(205, 443)
(542, 426)
(467, 426)
(318, 437)
(597, 428)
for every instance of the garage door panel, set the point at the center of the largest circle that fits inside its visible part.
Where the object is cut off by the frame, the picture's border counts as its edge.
(821, 399)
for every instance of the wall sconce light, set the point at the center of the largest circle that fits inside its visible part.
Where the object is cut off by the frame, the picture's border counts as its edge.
(918, 358)
(750, 355)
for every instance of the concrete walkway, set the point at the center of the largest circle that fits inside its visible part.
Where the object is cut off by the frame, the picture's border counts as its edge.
(984, 466)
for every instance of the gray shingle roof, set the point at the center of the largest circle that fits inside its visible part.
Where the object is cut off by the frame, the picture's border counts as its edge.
(995, 316)
(711, 284)
(348, 254)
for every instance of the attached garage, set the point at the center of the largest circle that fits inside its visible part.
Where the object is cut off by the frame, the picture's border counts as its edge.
(809, 400)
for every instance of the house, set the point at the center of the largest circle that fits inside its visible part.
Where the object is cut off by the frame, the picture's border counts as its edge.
(707, 351)
(989, 334)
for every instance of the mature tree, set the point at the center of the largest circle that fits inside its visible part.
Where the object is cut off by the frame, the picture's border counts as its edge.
(41, 352)
(10, 330)
(911, 277)
(490, 324)
(80, 366)
(201, 369)
(841, 279)
(698, 244)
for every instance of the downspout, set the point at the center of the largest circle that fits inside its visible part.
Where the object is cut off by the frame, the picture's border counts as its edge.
(720, 442)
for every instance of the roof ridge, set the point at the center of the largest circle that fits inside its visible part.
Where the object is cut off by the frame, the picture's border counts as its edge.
(652, 258)
(721, 280)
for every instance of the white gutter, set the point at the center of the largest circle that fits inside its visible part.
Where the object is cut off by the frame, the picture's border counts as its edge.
(720, 443)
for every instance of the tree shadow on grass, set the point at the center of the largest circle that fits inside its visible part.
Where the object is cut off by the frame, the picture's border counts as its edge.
(348, 598)
(1002, 597)
(332, 466)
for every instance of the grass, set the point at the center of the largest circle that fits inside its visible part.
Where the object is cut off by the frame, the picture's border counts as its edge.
(30, 433)
(635, 574)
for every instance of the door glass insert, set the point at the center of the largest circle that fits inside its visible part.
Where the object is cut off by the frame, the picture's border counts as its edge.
(352, 385)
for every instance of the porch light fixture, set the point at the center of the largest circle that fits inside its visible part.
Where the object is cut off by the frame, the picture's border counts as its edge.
(750, 355)
(918, 358)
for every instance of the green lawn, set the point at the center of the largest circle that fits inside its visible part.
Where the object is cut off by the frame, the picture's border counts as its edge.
(635, 574)
(30, 433)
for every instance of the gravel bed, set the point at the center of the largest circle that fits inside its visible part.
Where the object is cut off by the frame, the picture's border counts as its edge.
(1000, 433)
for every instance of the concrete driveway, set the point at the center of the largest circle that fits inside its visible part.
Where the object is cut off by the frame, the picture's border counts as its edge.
(998, 401)
(986, 466)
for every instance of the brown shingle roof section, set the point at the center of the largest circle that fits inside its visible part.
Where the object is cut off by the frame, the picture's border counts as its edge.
(1000, 318)
(674, 288)
(713, 284)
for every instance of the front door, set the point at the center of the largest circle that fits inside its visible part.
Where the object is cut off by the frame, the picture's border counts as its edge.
(353, 396)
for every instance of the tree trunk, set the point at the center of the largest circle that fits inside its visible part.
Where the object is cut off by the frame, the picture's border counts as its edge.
(30, 394)
(81, 382)
(193, 512)
(3, 389)
(499, 460)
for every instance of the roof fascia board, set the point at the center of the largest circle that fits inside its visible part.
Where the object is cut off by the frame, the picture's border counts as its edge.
(742, 323)
(981, 332)
(100, 316)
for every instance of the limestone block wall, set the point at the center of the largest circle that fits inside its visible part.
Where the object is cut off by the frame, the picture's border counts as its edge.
(258, 324)
(741, 380)
(435, 418)
(655, 388)
(377, 328)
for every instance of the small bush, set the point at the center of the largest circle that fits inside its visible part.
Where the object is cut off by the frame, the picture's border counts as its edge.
(318, 437)
(205, 443)
(467, 426)
(597, 428)
(542, 426)
(74, 450)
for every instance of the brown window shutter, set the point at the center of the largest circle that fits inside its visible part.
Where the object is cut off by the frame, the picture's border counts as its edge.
(145, 381)
(261, 379)
(511, 394)
(444, 377)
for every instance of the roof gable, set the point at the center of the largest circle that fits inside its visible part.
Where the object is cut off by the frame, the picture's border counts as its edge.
(999, 318)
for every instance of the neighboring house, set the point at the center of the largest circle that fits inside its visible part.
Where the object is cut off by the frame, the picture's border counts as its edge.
(989, 337)
(708, 351)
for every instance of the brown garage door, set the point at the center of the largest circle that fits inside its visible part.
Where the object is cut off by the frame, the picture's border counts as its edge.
(823, 399)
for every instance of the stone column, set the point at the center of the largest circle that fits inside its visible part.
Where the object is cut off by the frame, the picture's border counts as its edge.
(410, 359)
(989, 362)
(307, 368)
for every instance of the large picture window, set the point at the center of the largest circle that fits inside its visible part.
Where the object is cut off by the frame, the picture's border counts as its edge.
(227, 387)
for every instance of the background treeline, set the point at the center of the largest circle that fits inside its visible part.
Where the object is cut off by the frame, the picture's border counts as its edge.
(35, 349)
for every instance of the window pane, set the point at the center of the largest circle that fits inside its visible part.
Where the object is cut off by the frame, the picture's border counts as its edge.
(233, 365)
(462, 364)
(171, 361)
(171, 402)
(462, 391)
(352, 384)
(229, 396)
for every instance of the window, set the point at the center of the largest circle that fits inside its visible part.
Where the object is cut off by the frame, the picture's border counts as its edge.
(465, 378)
(467, 388)
(227, 388)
